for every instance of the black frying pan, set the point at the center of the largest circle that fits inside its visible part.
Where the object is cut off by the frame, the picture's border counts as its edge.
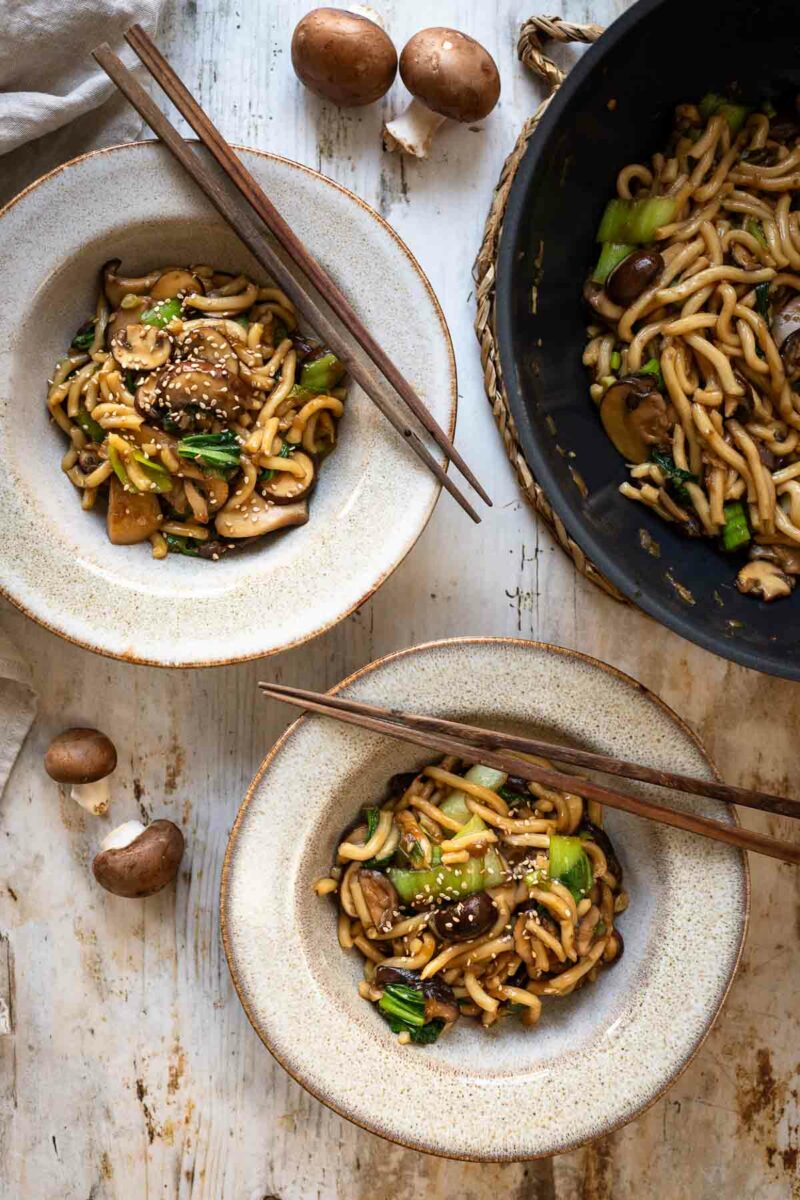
(657, 54)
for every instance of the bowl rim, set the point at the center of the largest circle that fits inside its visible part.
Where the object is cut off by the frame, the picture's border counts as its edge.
(765, 660)
(449, 426)
(354, 677)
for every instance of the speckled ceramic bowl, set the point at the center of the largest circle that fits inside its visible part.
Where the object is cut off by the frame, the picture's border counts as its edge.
(373, 500)
(598, 1057)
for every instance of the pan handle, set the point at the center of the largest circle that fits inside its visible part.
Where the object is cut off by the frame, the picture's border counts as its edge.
(537, 30)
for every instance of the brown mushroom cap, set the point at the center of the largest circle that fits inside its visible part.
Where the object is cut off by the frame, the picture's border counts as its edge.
(80, 756)
(146, 865)
(450, 73)
(343, 57)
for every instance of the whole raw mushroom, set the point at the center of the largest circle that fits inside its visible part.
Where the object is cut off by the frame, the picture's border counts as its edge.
(343, 57)
(449, 75)
(84, 758)
(137, 860)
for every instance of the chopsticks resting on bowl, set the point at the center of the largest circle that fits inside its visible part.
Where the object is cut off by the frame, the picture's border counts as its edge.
(309, 287)
(495, 749)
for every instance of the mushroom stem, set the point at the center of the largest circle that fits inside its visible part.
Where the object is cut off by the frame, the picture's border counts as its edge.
(94, 797)
(413, 131)
(122, 836)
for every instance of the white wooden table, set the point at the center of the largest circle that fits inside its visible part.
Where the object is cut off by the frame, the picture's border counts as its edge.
(131, 1071)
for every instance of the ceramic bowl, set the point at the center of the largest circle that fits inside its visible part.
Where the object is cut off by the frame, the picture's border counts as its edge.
(134, 203)
(598, 1057)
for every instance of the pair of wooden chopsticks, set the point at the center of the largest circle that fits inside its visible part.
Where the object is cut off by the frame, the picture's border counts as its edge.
(286, 259)
(496, 749)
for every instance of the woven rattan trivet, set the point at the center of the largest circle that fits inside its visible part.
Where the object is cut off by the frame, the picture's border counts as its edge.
(533, 33)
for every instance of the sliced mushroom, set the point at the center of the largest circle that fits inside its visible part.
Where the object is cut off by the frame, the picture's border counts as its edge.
(210, 346)
(136, 860)
(194, 393)
(380, 898)
(84, 758)
(633, 275)
(790, 353)
(123, 317)
(116, 287)
(586, 928)
(635, 416)
(257, 517)
(177, 282)
(787, 557)
(131, 516)
(286, 488)
(343, 57)
(764, 579)
(89, 459)
(786, 321)
(466, 919)
(146, 399)
(449, 75)
(598, 300)
(140, 347)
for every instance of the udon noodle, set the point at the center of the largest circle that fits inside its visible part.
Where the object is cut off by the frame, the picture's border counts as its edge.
(694, 348)
(470, 893)
(195, 407)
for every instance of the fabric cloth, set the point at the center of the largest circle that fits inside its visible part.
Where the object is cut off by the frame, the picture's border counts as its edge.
(55, 102)
(18, 703)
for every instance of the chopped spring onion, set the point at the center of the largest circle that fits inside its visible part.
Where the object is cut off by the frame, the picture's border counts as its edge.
(405, 1003)
(677, 478)
(756, 229)
(611, 255)
(86, 422)
(321, 374)
(218, 450)
(455, 806)
(653, 367)
(181, 545)
(158, 474)
(161, 313)
(762, 299)
(569, 864)
(117, 466)
(430, 883)
(616, 360)
(84, 337)
(713, 105)
(635, 221)
(737, 531)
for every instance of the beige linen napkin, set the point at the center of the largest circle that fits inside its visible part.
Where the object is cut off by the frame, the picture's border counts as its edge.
(55, 102)
(18, 703)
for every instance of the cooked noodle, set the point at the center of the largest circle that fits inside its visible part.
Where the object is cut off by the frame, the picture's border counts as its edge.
(196, 409)
(456, 915)
(694, 353)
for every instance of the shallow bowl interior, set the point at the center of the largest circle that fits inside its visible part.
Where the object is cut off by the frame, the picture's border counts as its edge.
(615, 108)
(134, 204)
(597, 1057)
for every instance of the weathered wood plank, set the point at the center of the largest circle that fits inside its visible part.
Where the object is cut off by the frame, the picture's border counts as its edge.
(131, 1072)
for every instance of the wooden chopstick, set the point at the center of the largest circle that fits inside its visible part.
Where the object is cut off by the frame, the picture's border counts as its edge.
(300, 289)
(391, 724)
(490, 739)
(174, 87)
